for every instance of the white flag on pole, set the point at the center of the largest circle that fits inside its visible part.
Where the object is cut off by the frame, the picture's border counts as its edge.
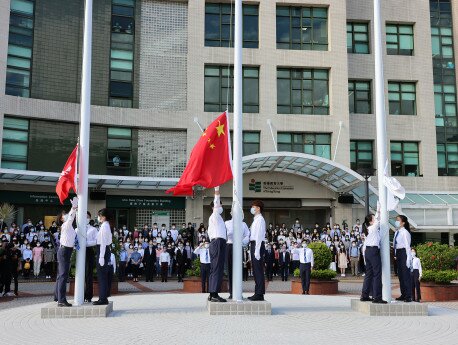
(395, 191)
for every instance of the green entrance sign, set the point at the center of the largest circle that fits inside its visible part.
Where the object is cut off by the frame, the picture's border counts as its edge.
(153, 202)
(31, 198)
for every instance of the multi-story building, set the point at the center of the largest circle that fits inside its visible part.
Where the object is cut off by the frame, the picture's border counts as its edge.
(308, 103)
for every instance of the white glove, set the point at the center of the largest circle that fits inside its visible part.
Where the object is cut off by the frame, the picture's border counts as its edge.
(74, 202)
(101, 261)
(217, 189)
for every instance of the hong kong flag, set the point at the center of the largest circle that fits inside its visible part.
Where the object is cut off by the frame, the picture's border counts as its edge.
(67, 179)
(210, 161)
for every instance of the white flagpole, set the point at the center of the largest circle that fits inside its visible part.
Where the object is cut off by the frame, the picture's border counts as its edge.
(381, 150)
(83, 159)
(237, 211)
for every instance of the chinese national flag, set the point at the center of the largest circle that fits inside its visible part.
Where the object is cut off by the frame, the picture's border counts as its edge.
(67, 179)
(210, 163)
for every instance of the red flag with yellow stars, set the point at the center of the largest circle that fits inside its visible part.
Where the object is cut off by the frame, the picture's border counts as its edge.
(210, 162)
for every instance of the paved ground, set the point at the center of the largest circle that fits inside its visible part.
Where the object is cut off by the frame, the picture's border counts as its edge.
(182, 319)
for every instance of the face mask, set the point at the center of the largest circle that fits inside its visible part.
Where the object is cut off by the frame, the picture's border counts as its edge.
(414, 254)
(38, 244)
(173, 227)
(124, 228)
(28, 247)
(397, 224)
(354, 245)
(30, 223)
(252, 210)
(297, 222)
(304, 245)
(49, 246)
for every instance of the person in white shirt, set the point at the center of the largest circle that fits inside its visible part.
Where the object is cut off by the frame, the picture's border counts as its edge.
(111, 268)
(401, 249)
(230, 235)
(163, 232)
(64, 253)
(164, 261)
(306, 265)
(174, 232)
(257, 236)
(371, 251)
(204, 257)
(91, 241)
(104, 241)
(416, 276)
(217, 235)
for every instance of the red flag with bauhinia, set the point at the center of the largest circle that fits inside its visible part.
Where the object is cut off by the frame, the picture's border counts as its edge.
(67, 179)
(210, 162)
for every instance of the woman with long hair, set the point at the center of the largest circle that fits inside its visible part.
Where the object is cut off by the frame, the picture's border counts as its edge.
(403, 257)
(373, 279)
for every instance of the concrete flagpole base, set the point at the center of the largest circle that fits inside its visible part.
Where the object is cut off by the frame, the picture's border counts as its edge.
(390, 309)
(52, 311)
(246, 307)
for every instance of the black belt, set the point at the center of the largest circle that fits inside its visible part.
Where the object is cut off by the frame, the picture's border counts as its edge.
(66, 246)
(372, 247)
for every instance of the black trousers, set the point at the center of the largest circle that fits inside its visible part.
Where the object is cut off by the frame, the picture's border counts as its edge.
(305, 270)
(164, 271)
(270, 270)
(245, 274)
(89, 278)
(217, 257)
(373, 279)
(150, 265)
(258, 269)
(415, 276)
(16, 283)
(110, 278)
(204, 276)
(405, 281)
(284, 271)
(63, 269)
(103, 274)
(48, 268)
(135, 270)
(229, 265)
(122, 270)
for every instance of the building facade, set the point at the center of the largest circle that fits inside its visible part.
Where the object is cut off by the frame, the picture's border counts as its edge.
(308, 101)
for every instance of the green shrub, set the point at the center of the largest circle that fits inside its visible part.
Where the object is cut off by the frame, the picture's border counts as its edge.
(439, 277)
(194, 271)
(297, 272)
(323, 274)
(322, 256)
(436, 256)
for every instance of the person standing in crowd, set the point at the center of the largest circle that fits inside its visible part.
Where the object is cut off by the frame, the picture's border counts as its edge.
(104, 241)
(158, 255)
(217, 235)
(189, 250)
(111, 269)
(181, 258)
(246, 262)
(67, 242)
(91, 242)
(373, 279)
(269, 259)
(416, 276)
(284, 260)
(149, 261)
(306, 266)
(343, 260)
(5, 268)
(402, 254)
(135, 260)
(354, 258)
(15, 266)
(123, 258)
(27, 256)
(230, 238)
(48, 260)
(164, 261)
(204, 256)
(37, 254)
(257, 236)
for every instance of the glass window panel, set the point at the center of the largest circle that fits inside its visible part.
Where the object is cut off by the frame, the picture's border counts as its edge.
(121, 64)
(411, 147)
(18, 62)
(122, 38)
(119, 132)
(406, 42)
(11, 134)
(120, 89)
(22, 6)
(17, 77)
(121, 75)
(284, 138)
(14, 165)
(120, 102)
(124, 2)
(323, 139)
(12, 150)
(122, 54)
(123, 10)
(251, 137)
(119, 144)
(20, 51)
(20, 39)
(21, 21)
(405, 29)
(16, 123)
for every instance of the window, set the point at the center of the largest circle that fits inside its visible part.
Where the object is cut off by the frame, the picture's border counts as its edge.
(218, 31)
(19, 61)
(399, 39)
(361, 155)
(303, 91)
(15, 143)
(302, 28)
(447, 159)
(359, 97)
(357, 38)
(119, 150)
(402, 98)
(122, 53)
(318, 144)
(218, 86)
(250, 143)
(404, 159)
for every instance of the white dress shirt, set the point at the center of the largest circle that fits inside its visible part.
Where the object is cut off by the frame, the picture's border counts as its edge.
(230, 232)
(164, 257)
(304, 258)
(373, 233)
(113, 262)
(403, 240)
(91, 236)
(416, 265)
(67, 232)
(104, 238)
(258, 233)
(174, 234)
(216, 226)
(204, 254)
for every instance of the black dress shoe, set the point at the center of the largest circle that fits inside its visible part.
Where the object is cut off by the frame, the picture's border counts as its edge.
(257, 298)
(307, 293)
(64, 304)
(408, 300)
(99, 302)
(219, 299)
(379, 301)
(303, 292)
(210, 297)
(365, 299)
(230, 296)
(400, 298)
(88, 300)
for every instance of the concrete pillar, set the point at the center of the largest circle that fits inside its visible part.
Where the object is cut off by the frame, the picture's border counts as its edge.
(194, 209)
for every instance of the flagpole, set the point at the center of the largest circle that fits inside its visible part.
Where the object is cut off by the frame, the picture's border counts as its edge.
(83, 159)
(380, 115)
(237, 212)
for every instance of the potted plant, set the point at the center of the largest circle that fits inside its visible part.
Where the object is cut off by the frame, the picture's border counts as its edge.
(438, 264)
(322, 280)
(7, 213)
(192, 282)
